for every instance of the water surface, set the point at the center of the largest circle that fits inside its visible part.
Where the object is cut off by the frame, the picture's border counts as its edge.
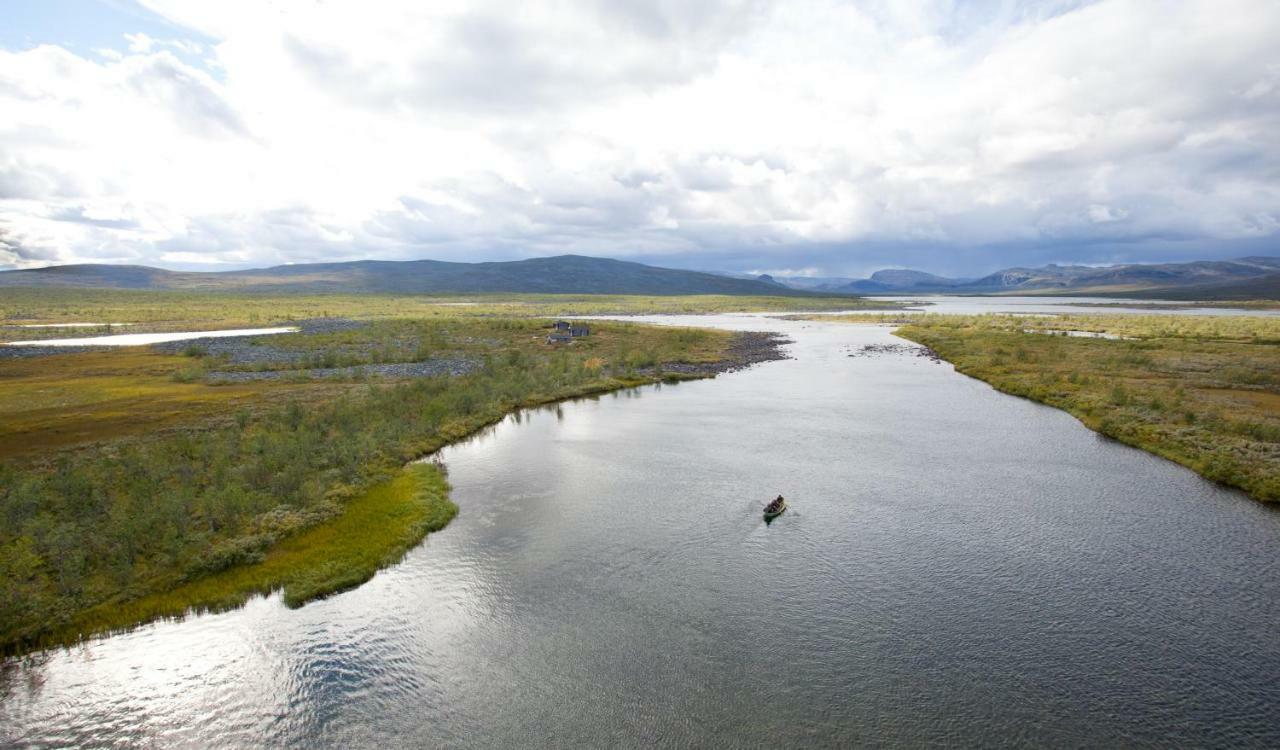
(141, 339)
(957, 567)
(1066, 305)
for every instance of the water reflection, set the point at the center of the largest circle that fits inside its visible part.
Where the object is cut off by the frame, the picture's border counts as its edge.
(956, 567)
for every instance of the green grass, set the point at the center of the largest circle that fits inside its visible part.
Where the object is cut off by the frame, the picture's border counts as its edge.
(51, 404)
(153, 490)
(1201, 391)
(169, 310)
(375, 530)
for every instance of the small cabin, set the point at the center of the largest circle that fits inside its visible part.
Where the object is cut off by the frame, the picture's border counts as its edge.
(564, 332)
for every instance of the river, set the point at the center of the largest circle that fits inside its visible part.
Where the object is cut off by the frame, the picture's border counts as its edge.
(957, 567)
(958, 305)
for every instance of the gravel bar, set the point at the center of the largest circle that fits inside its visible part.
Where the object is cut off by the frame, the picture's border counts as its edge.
(242, 350)
(429, 369)
(26, 352)
(910, 350)
(747, 348)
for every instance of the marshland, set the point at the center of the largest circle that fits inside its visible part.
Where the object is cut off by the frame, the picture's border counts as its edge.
(138, 482)
(972, 527)
(639, 374)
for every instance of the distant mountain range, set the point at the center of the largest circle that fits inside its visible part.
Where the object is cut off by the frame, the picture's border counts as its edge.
(565, 274)
(1243, 278)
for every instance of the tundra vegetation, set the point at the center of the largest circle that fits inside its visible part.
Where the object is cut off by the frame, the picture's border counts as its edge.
(133, 485)
(152, 311)
(1201, 391)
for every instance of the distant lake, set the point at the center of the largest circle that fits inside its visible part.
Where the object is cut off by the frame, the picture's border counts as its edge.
(142, 339)
(1067, 306)
(957, 567)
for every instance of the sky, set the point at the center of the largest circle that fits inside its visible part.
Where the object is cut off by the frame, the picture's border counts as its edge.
(803, 137)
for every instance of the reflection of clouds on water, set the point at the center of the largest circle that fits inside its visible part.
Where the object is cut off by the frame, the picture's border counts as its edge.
(609, 581)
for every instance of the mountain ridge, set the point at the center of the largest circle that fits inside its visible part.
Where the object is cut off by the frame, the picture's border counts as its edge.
(1253, 277)
(562, 274)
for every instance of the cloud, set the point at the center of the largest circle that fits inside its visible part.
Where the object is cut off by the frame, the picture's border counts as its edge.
(14, 253)
(190, 95)
(810, 134)
(81, 215)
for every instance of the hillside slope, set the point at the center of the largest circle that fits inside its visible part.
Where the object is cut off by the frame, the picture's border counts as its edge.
(565, 274)
(1243, 278)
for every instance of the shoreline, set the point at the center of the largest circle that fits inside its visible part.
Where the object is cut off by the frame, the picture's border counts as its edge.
(300, 565)
(1136, 392)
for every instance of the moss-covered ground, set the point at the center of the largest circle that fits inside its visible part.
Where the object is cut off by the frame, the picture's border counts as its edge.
(133, 486)
(1201, 391)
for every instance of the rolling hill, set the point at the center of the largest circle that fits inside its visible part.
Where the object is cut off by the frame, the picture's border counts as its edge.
(901, 279)
(565, 274)
(1254, 277)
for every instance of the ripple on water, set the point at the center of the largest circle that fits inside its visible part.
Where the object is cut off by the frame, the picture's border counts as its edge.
(956, 567)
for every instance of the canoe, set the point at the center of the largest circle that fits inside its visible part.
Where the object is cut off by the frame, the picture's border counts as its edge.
(771, 512)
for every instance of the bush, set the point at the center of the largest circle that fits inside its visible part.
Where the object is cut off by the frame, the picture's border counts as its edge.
(97, 526)
(187, 375)
(1119, 395)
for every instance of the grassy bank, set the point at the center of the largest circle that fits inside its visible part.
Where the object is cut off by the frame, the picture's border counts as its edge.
(105, 526)
(1201, 391)
(375, 529)
(158, 311)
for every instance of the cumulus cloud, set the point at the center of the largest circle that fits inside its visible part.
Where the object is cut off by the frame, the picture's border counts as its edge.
(810, 134)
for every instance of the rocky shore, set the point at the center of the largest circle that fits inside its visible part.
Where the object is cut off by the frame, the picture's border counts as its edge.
(266, 362)
(909, 350)
(27, 352)
(252, 350)
(428, 369)
(748, 348)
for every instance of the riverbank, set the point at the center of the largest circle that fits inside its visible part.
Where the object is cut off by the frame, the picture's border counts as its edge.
(745, 348)
(374, 530)
(202, 516)
(1203, 392)
(166, 311)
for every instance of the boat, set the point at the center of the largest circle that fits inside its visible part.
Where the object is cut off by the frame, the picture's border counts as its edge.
(775, 508)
